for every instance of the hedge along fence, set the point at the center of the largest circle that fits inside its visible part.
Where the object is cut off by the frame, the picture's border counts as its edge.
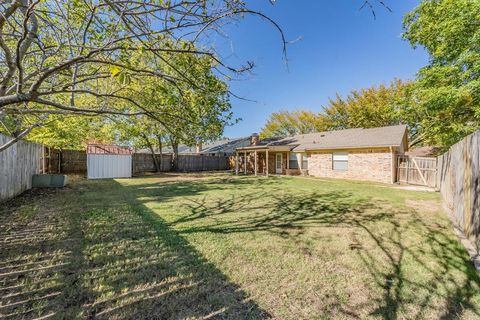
(459, 183)
(18, 164)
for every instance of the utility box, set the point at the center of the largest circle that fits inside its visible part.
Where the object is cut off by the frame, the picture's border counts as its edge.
(49, 181)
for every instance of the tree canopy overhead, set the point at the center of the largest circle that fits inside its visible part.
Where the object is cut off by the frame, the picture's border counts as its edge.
(62, 58)
(58, 57)
(445, 102)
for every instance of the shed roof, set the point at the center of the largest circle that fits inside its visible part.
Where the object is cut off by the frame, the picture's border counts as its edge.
(107, 149)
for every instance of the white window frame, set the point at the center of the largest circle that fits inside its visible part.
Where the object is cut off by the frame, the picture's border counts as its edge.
(339, 157)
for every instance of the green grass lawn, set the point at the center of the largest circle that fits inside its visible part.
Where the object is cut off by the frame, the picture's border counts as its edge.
(215, 246)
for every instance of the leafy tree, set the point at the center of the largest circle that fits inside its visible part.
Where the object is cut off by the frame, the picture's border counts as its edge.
(141, 132)
(181, 112)
(445, 100)
(55, 51)
(287, 123)
(71, 132)
(367, 108)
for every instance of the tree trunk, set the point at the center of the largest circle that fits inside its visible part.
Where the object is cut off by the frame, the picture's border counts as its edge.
(159, 137)
(174, 155)
(150, 146)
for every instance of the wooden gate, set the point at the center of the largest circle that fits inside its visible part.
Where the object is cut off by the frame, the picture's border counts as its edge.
(420, 171)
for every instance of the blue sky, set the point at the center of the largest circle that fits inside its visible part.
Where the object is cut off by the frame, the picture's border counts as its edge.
(340, 49)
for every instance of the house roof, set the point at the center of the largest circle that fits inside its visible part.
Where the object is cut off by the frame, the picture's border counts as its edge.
(341, 139)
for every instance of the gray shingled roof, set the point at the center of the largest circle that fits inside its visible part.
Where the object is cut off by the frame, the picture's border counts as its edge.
(226, 145)
(343, 139)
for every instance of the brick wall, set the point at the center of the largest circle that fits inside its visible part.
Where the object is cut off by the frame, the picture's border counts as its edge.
(368, 164)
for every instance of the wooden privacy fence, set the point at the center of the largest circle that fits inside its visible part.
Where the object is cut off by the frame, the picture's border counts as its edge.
(75, 162)
(143, 162)
(417, 170)
(459, 184)
(65, 161)
(18, 164)
(192, 163)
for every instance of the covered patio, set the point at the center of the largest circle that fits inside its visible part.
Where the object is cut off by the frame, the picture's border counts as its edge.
(265, 160)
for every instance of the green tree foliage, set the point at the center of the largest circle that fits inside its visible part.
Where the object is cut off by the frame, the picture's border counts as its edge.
(57, 55)
(71, 132)
(287, 123)
(181, 112)
(141, 132)
(367, 108)
(445, 101)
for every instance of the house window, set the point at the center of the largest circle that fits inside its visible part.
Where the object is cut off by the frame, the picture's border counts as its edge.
(293, 161)
(340, 161)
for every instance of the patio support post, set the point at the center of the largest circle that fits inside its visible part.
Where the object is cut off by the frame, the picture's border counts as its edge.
(266, 157)
(236, 163)
(288, 160)
(245, 169)
(255, 162)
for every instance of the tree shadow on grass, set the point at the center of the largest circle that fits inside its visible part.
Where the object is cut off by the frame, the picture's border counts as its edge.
(40, 250)
(137, 267)
(95, 252)
(446, 283)
(98, 252)
(417, 265)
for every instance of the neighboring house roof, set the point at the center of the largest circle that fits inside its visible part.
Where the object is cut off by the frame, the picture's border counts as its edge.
(226, 145)
(340, 139)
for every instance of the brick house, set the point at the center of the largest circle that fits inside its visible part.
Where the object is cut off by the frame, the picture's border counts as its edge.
(360, 154)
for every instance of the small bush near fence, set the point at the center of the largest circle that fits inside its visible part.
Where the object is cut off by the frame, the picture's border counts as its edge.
(459, 183)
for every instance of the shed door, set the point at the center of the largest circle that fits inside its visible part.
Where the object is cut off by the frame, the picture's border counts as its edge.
(104, 166)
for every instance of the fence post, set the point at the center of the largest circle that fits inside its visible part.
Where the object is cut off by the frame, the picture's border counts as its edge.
(408, 168)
